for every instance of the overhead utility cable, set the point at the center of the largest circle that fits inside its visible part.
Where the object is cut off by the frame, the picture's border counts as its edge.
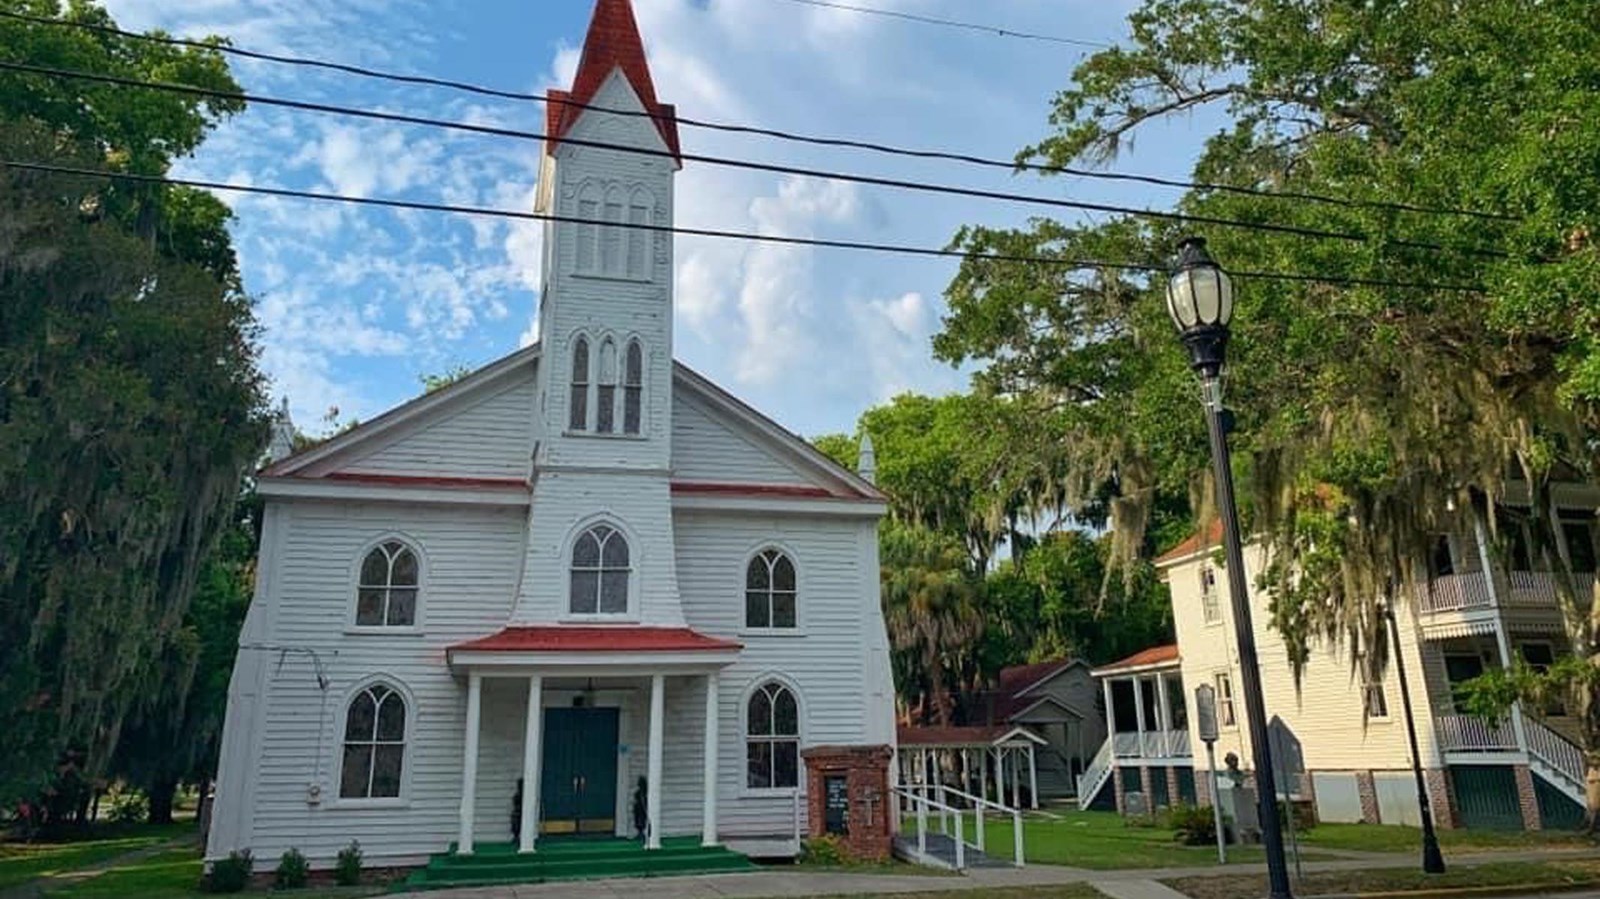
(844, 143)
(904, 249)
(952, 23)
(871, 180)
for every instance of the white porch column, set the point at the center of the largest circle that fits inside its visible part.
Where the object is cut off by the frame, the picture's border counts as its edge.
(1033, 779)
(1517, 726)
(1164, 713)
(966, 770)
(708, 814)
(1016, 781)
(658, 701)
(1111, 718)
(1138, 710)
(983, 774)
(532, 751)
(469, 763)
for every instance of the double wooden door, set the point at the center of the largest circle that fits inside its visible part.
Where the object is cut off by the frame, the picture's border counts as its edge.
(578, 781)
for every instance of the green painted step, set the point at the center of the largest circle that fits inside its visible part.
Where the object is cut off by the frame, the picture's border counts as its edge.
(574, 859)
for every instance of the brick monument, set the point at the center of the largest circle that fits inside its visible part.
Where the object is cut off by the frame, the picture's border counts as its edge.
(848, 797)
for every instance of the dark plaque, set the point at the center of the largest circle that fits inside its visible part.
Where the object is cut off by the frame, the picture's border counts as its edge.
(836, 804)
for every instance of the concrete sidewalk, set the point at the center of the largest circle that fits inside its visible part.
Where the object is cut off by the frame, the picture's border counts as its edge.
(1133, 883)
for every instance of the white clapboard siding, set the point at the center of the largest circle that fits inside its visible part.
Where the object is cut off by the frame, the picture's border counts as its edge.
(487, 436)
(705, 448)
(470, 566)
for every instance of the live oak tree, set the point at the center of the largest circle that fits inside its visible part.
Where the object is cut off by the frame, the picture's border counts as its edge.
(130, 401)
(1371, 416)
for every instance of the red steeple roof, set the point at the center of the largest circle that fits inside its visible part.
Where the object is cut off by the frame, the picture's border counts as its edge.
(613, 42)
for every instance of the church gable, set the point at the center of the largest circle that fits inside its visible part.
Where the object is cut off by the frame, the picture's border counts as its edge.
(479, 428)
(718, 440)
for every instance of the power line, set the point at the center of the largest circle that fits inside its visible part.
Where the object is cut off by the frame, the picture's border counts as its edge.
(778, 134)
(952, 23)
(774, 168)
(904, 249)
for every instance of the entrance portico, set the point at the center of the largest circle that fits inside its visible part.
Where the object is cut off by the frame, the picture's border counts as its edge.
(587, 689)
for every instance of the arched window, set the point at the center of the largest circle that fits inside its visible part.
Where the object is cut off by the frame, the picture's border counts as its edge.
(386, 595)
(374, 744)
(588, 234)
(600, 572)
(769, 591)
(638, 238)
(772, 738)
(632, 388)
(605, 406)
(611, 240)
(578, 417)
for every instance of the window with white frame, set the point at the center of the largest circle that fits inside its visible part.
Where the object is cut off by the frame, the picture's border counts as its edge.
(633, 388)
(1210, 604)
(578, 414)
(605, 403)
(1225, 713)
(638, 239)
(374, 744)
(1373, 699)
(770, 594)
(386, 589)
(588, 229)
(600, 571)
(772, 738)
(612, 236)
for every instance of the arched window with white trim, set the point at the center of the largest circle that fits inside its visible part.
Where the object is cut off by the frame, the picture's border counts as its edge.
(578, 413)
(772, 738)
(633, 389)
(600, 572)
(605, 404)
(373, 760)
(588, 234)
(638, 239)
(770, 593)
(611, 238)
(386, 589)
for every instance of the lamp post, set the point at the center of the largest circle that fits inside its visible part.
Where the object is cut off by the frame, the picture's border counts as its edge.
(1432, 858)
(1200, 299)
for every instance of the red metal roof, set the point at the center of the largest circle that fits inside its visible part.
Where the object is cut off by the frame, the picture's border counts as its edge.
(612, 42)
(1020, 677)
(1155, 655)
(952, 736)
(1211, 535)
(596, 638)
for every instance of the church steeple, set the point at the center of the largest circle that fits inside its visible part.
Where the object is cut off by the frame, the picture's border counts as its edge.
(612, 43)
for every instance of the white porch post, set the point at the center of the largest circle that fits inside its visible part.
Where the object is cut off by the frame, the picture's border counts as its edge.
(532, 746)
(1033, 778)
(1111, 718)
(1138, 710)
(658, 700)
(1016, 781)
(966, 769)
(983, 774)
(1164, 713)
(469, 763)
(708, 815)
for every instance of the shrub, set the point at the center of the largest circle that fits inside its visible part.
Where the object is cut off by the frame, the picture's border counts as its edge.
(293, 869)
(347, 870)
(824, 850)
(229, 875)
(1193, 825)
(128, 807)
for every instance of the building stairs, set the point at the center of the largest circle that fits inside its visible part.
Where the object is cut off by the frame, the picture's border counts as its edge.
(573, 858)
(941, 853)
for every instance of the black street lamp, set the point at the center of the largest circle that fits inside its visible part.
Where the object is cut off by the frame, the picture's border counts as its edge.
(1200, 299)
(1432, 858)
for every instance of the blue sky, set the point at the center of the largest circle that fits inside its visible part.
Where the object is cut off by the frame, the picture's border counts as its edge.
(357, 303)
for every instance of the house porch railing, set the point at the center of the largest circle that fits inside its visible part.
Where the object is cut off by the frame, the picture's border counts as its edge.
(1152, 744)
(1470, 590)
(1469, 733)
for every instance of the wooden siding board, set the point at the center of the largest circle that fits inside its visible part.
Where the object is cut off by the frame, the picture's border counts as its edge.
(707, 449)
(491, 437)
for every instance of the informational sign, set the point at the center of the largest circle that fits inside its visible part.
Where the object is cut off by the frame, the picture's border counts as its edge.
(1205, 712)
(836, 804)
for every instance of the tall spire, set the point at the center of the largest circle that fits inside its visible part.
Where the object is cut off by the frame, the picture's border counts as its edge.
(613, 42)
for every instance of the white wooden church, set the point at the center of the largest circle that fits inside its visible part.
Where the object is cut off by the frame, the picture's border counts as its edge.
(496, 608)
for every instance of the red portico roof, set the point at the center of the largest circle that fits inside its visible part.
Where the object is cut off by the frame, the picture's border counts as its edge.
(598, 638)
(613, 42)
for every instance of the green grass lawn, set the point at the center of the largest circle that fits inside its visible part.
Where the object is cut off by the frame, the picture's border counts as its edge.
(175, 874)
(1518, 874)
(22, 862)
(1394, 838)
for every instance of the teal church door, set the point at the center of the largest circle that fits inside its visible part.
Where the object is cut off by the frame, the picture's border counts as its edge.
(578, 782)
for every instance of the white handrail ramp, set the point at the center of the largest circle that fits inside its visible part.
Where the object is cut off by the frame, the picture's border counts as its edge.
(950, 805)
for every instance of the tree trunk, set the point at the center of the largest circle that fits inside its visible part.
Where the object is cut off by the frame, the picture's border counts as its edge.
(161, 792)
